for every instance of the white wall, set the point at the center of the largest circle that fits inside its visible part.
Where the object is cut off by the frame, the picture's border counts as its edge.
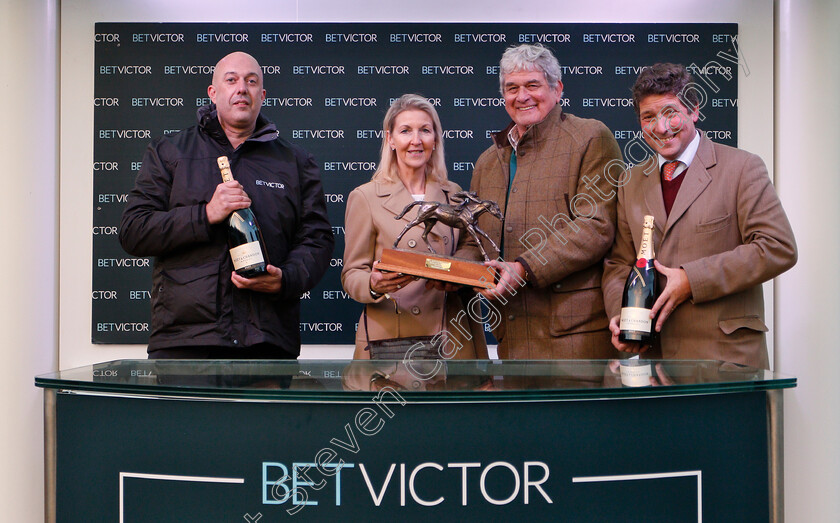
(30, 324)
(807, 307)
(28, 214)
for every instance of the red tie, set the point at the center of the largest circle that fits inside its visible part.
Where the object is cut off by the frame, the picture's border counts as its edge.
(668, 170)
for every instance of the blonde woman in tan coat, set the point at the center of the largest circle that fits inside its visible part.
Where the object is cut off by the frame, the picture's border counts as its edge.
(411, 168)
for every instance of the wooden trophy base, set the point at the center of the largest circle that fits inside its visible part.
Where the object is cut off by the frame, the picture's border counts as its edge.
(438, 267)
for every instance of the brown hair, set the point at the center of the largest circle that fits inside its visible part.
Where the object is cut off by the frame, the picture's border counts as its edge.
(666, 78)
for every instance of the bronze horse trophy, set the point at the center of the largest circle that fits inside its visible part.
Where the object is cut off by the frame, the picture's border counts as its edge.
(462, 216)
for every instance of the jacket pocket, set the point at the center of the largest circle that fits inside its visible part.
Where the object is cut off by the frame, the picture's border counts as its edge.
(714, 225)
(753, 323)
(577, 310)
(188, 295)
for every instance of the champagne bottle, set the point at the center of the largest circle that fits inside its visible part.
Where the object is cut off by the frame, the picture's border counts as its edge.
(640, 292)
(247, 248)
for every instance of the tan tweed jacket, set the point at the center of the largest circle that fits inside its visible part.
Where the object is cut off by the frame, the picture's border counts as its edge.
(728, 230)
(559, 221)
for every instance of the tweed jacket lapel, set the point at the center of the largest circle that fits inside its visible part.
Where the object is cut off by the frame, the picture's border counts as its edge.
(651, 188)
(697, 178)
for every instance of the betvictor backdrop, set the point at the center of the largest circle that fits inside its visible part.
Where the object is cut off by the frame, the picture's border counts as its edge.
(328, 87)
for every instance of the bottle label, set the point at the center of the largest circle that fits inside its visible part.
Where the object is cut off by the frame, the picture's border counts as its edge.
(646, 246)
(635, 319)
(246, 255)
(635, 373)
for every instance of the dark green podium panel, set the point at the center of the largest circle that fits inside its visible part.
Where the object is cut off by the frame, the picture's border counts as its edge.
(310, 441)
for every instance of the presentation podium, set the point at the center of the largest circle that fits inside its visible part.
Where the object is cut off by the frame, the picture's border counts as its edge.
(318, 440)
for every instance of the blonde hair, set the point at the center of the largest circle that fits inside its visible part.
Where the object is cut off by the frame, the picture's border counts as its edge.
(387, 169)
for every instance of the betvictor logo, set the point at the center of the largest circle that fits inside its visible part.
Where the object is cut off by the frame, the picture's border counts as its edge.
(271, 185)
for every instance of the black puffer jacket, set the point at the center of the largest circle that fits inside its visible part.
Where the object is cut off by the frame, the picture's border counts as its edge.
(194, 302)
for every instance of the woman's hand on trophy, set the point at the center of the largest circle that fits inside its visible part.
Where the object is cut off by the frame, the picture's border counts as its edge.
(387, 282)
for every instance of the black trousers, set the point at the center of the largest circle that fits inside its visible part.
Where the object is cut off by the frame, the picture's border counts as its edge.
(262, 351)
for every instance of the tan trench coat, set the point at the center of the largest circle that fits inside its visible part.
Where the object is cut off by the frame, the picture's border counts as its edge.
(370, 226)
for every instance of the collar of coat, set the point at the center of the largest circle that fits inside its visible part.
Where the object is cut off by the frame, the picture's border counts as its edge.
(705, 155)
(698, 176)
(208, 121)
(397, 196)
(554, 118)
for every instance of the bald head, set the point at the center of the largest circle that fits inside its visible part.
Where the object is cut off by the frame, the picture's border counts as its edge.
(234, 59)
(237, 90)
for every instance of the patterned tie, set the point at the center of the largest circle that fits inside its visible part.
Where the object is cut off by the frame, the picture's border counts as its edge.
(668, 170)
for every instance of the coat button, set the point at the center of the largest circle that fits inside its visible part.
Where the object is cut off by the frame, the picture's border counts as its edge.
(509, 228)
(412, 243)
(415, 310)
(236, 342)
(511, 317)
(514, 189)
(445, 240)
(558, 286)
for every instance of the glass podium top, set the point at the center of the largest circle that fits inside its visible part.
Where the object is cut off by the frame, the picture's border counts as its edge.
(434, 381)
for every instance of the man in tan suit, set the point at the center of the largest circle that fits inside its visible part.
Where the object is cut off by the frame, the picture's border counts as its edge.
(720, 231)
(546, 171)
